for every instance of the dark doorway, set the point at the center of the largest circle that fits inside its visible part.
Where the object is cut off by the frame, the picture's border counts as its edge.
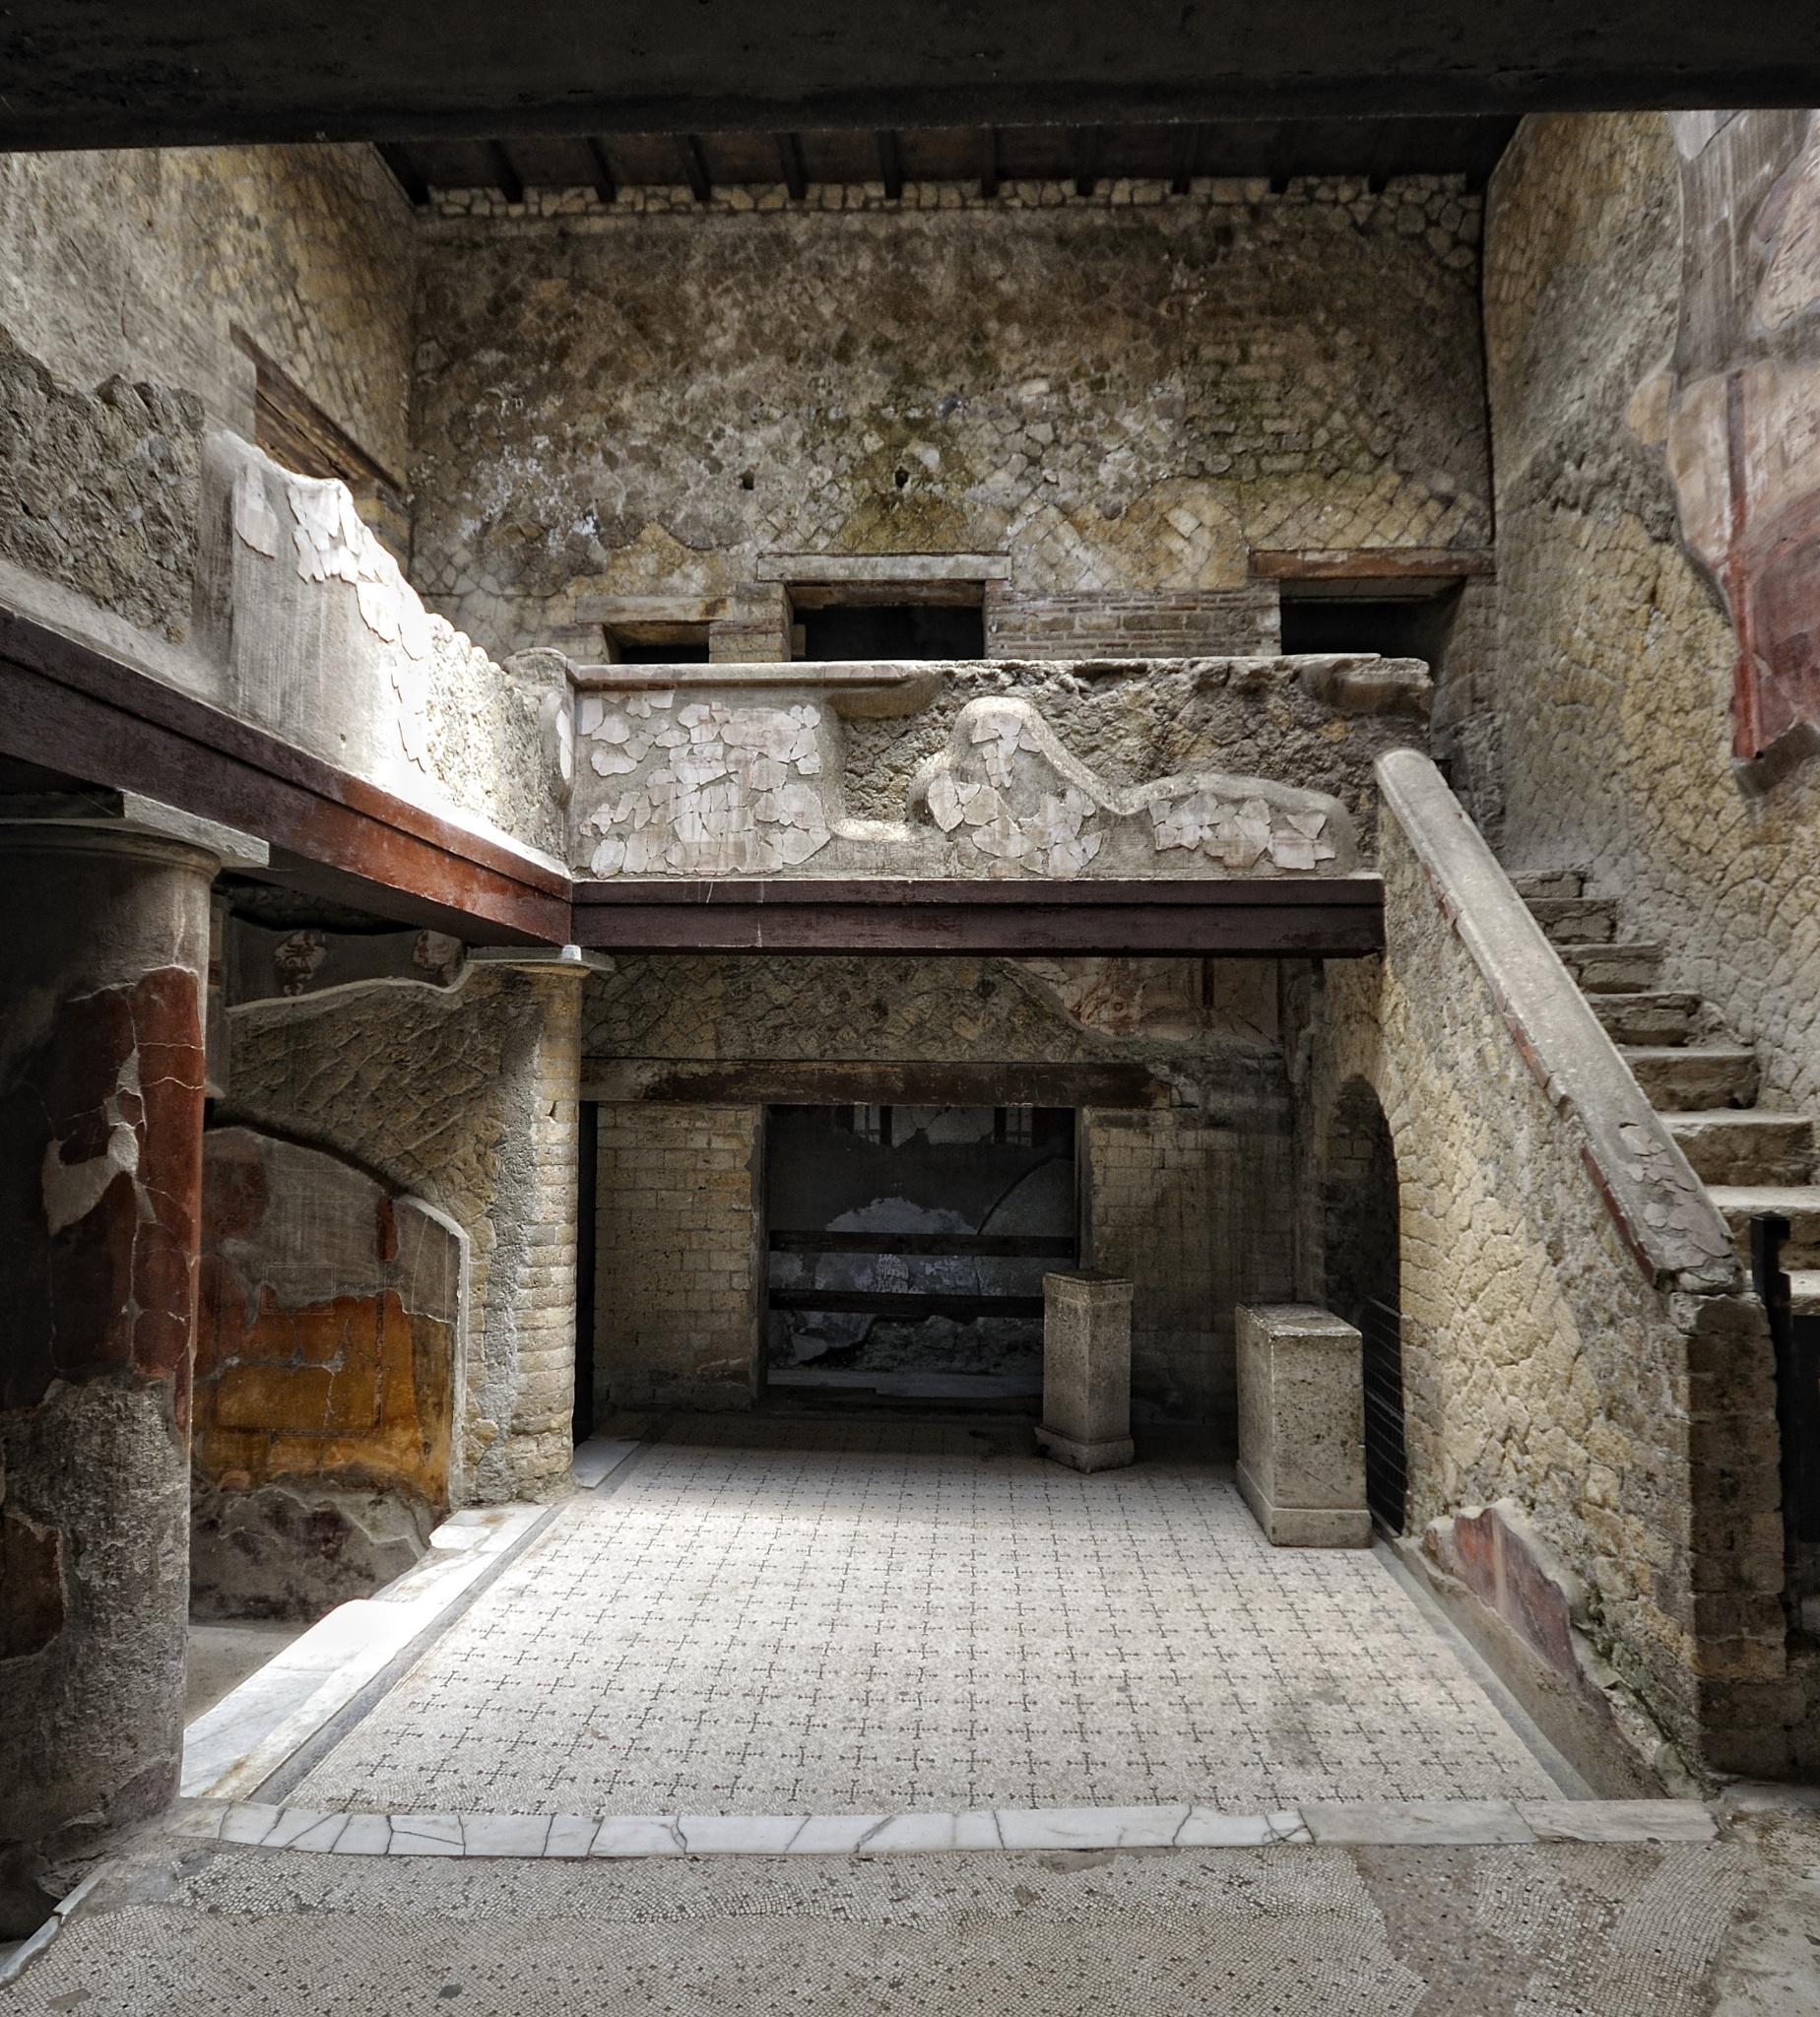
(1408, 625)
(907, 1249)
(1360, 1224)
(894, 630)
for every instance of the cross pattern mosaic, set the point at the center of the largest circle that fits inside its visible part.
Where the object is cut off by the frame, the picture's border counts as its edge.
(822, 1618)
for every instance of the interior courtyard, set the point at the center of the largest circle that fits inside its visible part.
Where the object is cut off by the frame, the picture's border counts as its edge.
(908, 1046)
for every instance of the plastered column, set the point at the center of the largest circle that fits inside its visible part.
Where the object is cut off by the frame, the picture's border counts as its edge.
(1086, 1371)
(529, 1365)
(106, 936)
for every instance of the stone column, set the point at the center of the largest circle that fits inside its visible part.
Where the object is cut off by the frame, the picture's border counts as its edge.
(103, 955)
(1302, 1426)
(1086, 1371)
(529, 1368)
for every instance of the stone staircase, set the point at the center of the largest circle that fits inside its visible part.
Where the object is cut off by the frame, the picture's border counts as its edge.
(1701, 1080)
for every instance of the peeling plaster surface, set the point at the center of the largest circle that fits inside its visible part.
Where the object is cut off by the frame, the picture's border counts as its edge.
(704, 782)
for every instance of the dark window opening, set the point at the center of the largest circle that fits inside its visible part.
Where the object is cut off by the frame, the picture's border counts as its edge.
(657, 644)
(1416, 625)
(691, 654)
(894, 630)
(907, 1249)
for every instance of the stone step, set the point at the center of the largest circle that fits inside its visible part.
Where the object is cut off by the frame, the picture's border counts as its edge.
(1655, 1020)
(1577, 920)
(1613, 969)
(1683, 1078)
(1729, 1146)
(1800, 1204)
(1529, 883)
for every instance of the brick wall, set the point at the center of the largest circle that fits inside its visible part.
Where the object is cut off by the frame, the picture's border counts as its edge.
(1186, 624)
(676, 1280)
(1197, 1213)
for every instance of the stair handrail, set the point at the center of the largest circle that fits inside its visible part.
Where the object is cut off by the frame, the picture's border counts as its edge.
(1659, 1207)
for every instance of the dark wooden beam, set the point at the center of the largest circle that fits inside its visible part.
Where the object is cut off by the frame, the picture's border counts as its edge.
(65, 705)
(1340, 916)
(790, 165)
(695, 165)
(903, 1306)
(992, 162)
(1382, 163)
(955, 1245)
(797, 1083)
(1281, 157)
(1088, 145)
(1372, 563)
(511, 184)
(891, 165)
(605, 184)
(1187, 157)
(405, 172)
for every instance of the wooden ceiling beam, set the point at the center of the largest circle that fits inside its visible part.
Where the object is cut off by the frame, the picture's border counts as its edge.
(890, 165)
(694, 163)
(1088, 147)
(790, 165)
(992, 162)
(507, 179)
(405, 172)
(605, 184)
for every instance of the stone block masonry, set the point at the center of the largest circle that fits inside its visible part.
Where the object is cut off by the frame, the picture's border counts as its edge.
(1086, 1371)
(679, 1265)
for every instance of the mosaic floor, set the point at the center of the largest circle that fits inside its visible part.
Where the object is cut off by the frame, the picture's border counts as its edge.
(823, 1619)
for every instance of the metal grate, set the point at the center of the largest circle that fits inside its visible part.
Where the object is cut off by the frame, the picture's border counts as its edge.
(1381, 1328)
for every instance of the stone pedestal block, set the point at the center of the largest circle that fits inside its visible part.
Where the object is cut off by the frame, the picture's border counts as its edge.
(1086, 1371)
(1302, 1426)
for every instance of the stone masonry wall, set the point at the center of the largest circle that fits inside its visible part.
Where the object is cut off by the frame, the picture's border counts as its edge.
(140, 264)
(1192, 1200)
(1190, 1207)
(466, 1096)
(1631, 1426)
(1125, 397)
(99, 491)
(1611, 680)
(679, 1263)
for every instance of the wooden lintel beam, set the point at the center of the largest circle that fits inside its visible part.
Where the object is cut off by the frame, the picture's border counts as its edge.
(1087, 150)
(405, 172)
(1309, 916)
(65, 705)
(1188, 159)
(695, 162)
(891, 165)
(510, 183)
(606, 183)
(992, 163)
(794, 1082)
(790, 165)
(1281, 158)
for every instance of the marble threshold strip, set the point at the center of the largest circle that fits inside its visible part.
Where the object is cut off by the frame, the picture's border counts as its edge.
(577, 1837)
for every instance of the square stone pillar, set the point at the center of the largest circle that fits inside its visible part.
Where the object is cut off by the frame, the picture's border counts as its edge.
(1086, 1371)
(1302, 1426)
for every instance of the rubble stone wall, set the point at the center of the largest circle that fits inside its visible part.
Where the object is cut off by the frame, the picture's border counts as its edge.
(1612, 679)
(1629, 1418)
(139, 264)
(1122, 397)
(467, 1097)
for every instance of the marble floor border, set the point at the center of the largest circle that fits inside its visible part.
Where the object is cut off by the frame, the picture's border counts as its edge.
(581, 1837)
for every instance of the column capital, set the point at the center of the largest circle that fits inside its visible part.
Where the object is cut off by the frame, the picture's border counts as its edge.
(127, 817)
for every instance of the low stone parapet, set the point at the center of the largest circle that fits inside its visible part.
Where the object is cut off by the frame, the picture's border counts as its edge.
(1302, 1426)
